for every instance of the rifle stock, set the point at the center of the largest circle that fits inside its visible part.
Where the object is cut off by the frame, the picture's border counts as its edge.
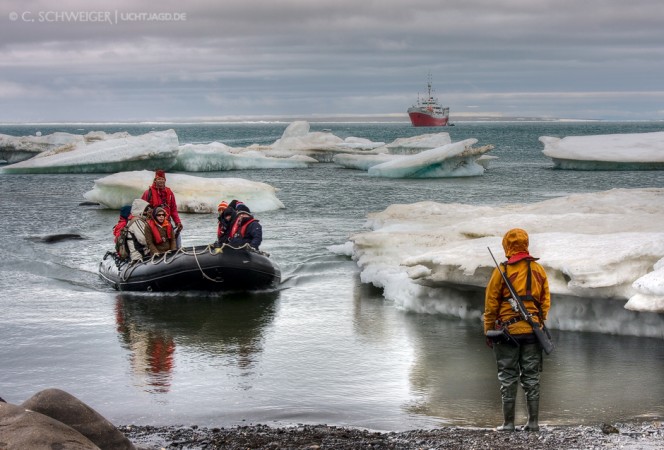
(541, 333)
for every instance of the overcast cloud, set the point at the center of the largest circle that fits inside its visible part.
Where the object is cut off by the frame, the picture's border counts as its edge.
(207, 60)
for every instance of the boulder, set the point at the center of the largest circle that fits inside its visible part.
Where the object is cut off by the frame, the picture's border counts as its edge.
(65, 408)
(24, 429)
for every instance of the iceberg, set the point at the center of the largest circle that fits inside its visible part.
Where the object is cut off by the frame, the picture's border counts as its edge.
(105, 155)
(417, 144)
(216, 157)
(599, 249)
(362, 162)
(14, 149)
(636, 151)
(193, 194)
(458, 159)
(320, 145)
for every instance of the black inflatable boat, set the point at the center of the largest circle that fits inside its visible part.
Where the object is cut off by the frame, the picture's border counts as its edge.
(200, 268)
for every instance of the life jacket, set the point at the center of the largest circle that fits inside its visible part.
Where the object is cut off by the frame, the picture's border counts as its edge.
(240, 229)
(155, 199)
(156, 234)
(117, 229)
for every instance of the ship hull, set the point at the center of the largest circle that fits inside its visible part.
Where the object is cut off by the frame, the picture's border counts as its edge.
(420, 119)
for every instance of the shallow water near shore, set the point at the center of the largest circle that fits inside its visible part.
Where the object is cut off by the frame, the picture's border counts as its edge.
(323, 348)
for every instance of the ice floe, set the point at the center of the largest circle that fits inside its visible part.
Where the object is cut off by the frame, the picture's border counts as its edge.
(108, 154)
(603, 246)
(635, 151)
(193, 194)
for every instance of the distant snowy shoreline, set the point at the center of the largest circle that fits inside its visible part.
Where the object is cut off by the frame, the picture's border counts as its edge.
(313, 120)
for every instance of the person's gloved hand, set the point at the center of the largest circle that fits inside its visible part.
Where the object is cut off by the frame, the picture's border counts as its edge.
(178, 228)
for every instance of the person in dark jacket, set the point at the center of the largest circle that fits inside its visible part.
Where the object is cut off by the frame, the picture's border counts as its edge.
(226, 219)
(245, 229)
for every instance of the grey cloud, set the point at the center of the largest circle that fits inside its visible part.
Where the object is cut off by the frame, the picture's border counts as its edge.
(308, 57)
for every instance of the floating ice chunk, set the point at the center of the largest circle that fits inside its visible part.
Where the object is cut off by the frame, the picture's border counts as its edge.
(452, 160)
(152, 150)
(417, 144)
(216, 157)
(362, 162)
(15, 149)
(192, 194)
(637, 151)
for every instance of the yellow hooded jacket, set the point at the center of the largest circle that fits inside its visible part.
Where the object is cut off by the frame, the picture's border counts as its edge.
(496, 306)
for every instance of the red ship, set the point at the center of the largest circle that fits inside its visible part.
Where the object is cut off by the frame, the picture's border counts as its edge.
(428, 112)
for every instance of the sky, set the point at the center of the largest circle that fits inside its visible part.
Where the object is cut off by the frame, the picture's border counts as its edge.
(211, 60)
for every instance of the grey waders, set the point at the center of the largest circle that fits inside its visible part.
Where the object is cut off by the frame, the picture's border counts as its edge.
(533, 412)
(508, 416)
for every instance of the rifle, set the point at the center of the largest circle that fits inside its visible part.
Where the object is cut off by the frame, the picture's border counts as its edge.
(541, 332)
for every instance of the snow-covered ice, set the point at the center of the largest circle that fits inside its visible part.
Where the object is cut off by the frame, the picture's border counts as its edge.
(298, 147)
(636, 151)
(216, 157)
(107, 155)
(457, 159)
(192, 194)
(417, 144)
(598, 247)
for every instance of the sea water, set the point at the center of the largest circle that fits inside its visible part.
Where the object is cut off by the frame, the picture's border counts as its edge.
(323, 348)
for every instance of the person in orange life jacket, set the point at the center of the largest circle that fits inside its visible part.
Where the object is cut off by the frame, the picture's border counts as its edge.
(222, 225)
(518, 361)
(158, 194)
(125, 217)
(159, 234)
(244, 228)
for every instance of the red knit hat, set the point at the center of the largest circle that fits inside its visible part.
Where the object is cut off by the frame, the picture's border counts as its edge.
(222, 206)
(159, 173)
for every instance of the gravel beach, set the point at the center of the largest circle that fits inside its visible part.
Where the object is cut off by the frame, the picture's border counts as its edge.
(642, 435)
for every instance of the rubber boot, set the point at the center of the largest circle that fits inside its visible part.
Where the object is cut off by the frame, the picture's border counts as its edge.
(533, 412)
(508, 416)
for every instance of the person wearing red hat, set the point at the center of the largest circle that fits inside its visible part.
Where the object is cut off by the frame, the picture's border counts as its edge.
(160, 195)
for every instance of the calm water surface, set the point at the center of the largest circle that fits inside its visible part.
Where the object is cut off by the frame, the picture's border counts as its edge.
(323, 348)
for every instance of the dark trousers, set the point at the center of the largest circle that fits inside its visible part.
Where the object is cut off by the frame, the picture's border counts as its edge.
(518, 364)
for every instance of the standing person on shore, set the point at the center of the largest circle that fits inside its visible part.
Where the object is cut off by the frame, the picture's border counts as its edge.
(519, 354)
(158, 194)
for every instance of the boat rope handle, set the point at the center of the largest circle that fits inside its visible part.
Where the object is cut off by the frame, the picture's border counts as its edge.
(203, 272)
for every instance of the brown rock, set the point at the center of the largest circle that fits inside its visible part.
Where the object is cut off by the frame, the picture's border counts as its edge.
(22, 429)
(69, 410)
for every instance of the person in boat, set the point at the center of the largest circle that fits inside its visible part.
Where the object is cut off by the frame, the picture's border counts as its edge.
(158, 194)
(222, 224)
(159, 235)
(518, 358)
(136, 229)
(125, 217)
(244, 228)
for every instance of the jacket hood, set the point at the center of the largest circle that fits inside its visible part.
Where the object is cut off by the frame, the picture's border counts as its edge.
(138, 207)
(515, 241)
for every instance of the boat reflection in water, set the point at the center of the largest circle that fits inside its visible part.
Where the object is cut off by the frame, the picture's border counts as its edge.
(153, 327)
